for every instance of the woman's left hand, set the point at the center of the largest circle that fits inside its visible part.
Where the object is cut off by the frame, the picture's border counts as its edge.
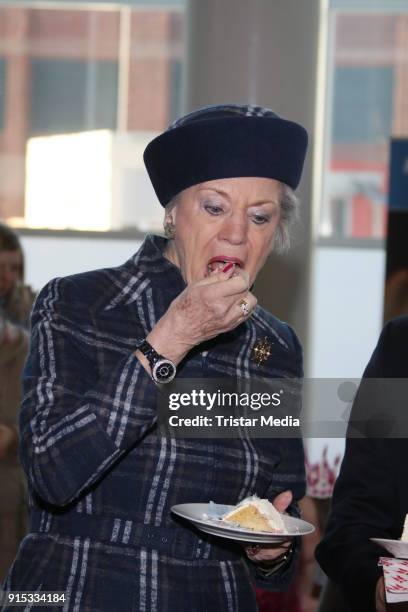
(270, 552)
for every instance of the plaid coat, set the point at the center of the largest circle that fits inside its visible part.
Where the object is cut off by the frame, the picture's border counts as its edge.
(102, 474)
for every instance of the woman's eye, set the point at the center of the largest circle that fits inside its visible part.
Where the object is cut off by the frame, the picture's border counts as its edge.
(213, 209)
(260, 219)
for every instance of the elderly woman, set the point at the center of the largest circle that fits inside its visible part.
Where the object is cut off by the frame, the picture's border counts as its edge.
(103, 474)
(15, 303)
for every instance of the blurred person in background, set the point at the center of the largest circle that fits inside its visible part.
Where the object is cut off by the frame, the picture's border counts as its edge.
(370, 497)
(395, 311)
(396, 295)
(15, 304)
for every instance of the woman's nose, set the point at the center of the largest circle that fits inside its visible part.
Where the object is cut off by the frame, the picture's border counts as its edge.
(235, 229)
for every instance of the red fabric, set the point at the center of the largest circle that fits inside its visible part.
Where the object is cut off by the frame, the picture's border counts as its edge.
(278, 602)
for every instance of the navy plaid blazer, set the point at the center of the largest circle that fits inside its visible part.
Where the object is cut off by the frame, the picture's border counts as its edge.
(102, 473)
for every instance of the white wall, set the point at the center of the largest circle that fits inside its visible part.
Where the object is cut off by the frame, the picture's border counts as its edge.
(347, 310)
(346, 320)
(51, 256)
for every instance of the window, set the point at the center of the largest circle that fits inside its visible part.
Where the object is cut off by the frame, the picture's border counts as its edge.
(73, 96)
(365, 97)
(362, 105)
(83, 88)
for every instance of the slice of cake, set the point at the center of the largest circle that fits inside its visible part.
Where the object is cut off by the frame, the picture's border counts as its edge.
(404, 537)
(257, 514)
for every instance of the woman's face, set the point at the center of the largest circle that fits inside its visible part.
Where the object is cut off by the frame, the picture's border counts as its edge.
(10, 270)
(224, 220)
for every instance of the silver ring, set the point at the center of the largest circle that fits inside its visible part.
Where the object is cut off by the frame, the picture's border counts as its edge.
(243, 304)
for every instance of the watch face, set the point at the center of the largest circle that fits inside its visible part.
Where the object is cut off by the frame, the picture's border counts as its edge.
(163, 371)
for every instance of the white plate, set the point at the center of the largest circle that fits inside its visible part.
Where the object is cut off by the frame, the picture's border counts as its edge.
(196, 513)
(395, 547)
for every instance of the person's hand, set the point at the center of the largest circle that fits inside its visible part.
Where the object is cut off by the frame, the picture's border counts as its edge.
(268, 552)
(202, 311)
(380, 602)
(8, 439)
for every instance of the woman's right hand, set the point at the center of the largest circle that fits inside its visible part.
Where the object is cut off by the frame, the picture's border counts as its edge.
(202, 311)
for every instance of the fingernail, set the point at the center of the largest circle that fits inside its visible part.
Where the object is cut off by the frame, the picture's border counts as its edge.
(228, 267)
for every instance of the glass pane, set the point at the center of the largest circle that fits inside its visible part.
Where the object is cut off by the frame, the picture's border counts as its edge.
(367, 98)
(83, 88)
(53, 107)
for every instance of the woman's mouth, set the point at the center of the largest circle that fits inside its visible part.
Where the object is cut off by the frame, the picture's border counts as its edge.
(219, 263)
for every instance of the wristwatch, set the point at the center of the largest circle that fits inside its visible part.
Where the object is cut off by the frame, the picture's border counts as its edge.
(266, 569)
(163, 370)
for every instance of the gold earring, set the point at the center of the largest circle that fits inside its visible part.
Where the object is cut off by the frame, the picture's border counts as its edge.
(169, 230)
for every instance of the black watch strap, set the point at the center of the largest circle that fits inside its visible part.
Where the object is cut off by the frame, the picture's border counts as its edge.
(163, 370)
(148, 351)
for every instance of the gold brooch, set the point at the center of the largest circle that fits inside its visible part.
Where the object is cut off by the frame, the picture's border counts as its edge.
(262, 351)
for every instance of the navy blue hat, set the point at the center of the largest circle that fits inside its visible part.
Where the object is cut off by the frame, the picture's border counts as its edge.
(225, 141)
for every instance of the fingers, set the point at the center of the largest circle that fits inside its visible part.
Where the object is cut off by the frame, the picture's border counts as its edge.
(238, 311)
(236, 284)
(228, 296)
(267, 552)
(224, 284)
(246, 305)
(215, 305)
(283, 500)
(235, 287)
(216, 276)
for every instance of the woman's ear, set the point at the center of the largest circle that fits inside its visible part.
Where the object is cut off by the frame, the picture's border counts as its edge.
(169, 226)
(170, 216)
